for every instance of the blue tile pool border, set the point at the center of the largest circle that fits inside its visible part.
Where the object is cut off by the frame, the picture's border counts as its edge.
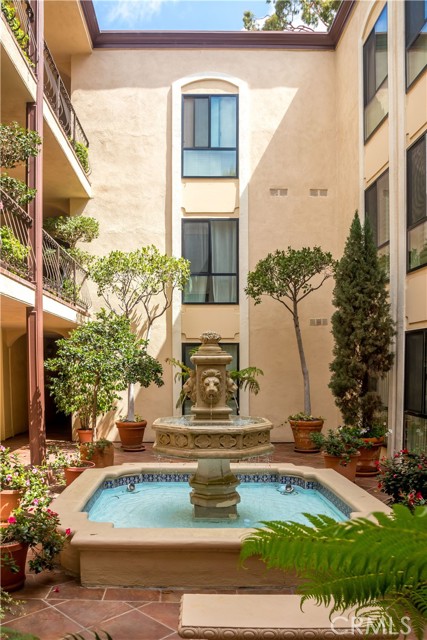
(273, 478)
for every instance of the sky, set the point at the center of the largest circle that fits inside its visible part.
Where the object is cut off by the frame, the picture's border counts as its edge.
(193, 15)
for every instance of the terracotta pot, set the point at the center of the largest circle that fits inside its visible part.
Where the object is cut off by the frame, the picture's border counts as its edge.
(348, 469)
(132, 435)
(301, 430)
(10, 499)
(369, 457)
(71, 473)
(16, 552)
(101, 457)
(85, 435)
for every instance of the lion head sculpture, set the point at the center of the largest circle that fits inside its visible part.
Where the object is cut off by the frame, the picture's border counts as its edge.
(210, 386)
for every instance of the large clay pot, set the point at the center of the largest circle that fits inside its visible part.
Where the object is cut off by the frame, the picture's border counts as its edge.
(71, 473)
(85, 435)
(132, 435)
(339, 464)
(101, 457)
(301, 430)
(17, 553)
(367, 464)
(10, 499)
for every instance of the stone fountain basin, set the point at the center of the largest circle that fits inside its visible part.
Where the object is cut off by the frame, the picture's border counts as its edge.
(239, 438)
(101, 554)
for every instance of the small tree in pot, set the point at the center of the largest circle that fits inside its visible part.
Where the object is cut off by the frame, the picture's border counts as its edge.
(288, 277)
(127, 282)
(93, 365)
(363, 331)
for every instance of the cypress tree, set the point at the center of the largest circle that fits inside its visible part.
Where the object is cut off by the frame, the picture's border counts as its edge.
(362, 327)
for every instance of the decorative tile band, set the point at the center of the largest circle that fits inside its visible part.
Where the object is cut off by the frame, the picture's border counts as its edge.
(261, 478)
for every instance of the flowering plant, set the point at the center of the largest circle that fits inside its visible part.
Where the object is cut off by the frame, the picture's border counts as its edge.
(37, 527)
(404, 477)
(31, 481)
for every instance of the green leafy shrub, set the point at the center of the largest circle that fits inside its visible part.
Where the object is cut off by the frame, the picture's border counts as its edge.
(404, 478)
(17, 144)
(82, 152)
(17, 190)
(14, 23)
(342, 443)
(12, 252)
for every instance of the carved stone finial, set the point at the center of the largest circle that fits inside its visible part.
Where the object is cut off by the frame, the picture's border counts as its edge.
(210, 337)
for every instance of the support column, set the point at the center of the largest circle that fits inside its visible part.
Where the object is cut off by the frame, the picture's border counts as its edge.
(35, 356)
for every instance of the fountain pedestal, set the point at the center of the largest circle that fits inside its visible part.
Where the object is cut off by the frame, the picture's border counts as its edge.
(214, 492)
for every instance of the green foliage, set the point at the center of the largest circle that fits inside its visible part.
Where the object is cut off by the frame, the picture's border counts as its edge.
(37, 527)
(14, 23)
(17, 144)
(377, 562)
(305, 417)
(289, 277)
(17, 190)
(12, 251)
(404, 478)
(96, 362)
(246, 379)
(310, 12)
(96, 636)
(362, 328)
(11, 634)
(72, 229)
(31, 481)
(90, 448)
(142, 277)
(8, 604)
(82, 152)
(342, 443)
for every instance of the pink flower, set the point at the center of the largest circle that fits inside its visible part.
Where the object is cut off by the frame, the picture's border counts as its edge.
(418, 495)
(35, 501)
(67, 532)
(11, 520)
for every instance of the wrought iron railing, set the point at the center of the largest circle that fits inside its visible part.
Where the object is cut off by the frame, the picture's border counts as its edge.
(59, 100)
(20, 17)
(16, 251)
(62, 275)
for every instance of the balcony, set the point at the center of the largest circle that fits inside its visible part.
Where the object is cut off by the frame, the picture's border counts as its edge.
(19, 17)
(62, 275)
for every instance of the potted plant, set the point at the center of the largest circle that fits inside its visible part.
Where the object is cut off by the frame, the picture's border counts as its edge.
(20, 484)
(340, 450)
(35, 528)
(289, 277)
(69, 230)
(93, 365)
(101, 452)
(404, 478)
(142, 279)
(373, 438)
(67, 466)
(363, 332)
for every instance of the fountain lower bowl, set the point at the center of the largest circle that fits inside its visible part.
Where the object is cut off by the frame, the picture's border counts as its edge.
(103, 555)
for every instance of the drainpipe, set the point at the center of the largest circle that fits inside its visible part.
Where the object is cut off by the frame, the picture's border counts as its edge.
(35, 356)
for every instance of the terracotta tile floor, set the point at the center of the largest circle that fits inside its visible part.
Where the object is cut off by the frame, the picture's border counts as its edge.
(54, 604)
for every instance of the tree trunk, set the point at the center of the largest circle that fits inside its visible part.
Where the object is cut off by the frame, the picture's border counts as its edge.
(304, 369)
(131, 402)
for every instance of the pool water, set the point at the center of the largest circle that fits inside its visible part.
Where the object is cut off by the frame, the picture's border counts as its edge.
(167, 505)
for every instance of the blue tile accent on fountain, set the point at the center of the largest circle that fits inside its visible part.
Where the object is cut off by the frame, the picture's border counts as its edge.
(242, 477)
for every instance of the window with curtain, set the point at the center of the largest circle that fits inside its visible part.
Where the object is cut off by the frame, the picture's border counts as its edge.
(211, 247)
(209, 136)
(416, 39)
(377, 212)
(375, 74)
(232, 348)
(416, 390)
(417, 204)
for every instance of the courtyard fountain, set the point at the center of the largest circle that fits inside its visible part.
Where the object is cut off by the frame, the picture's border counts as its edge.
(211, 435)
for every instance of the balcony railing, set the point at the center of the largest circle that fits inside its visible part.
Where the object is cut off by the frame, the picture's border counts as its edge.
(16, 252)
(20, 18)
(59, 100)
(62, 275)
